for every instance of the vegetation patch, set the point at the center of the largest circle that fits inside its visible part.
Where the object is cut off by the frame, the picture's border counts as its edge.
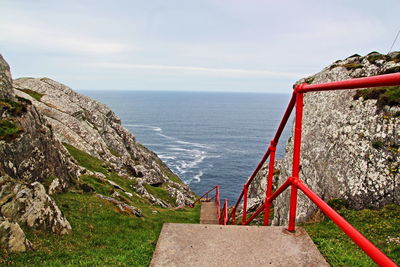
(101, 236)
(338, 204)
(9, 130)
(379, 226)
(378, 144)
(15, 108)
(352, 66)
(85, 160)
(33, 94)
(309, 80)
(160, 192)
(114, 153)
(392, 70)
(375, 56)
(385, 96)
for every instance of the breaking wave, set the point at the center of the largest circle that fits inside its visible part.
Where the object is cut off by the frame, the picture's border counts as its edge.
(185, 158)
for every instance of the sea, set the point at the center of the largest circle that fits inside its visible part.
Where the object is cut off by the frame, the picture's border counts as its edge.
(206, 138)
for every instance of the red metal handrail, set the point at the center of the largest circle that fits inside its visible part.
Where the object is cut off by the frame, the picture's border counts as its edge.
(206, 195)
(294, 181)
(273, 143)
(224, 214)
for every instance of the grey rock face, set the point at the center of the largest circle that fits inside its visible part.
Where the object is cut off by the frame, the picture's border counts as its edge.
(340, 158)
(12, 238)
(5, 80)
(29, 204)
(92, 127)
(36, 155)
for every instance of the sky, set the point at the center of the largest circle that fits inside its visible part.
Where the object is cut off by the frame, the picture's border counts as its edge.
(188, 45)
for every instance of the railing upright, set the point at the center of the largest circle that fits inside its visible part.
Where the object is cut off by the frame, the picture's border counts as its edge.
(296, 157)
(218, 202)
(245, 193)
(268, 190)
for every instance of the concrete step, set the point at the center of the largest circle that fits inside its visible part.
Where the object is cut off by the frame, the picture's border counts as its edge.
(233, 245)
(209, 213)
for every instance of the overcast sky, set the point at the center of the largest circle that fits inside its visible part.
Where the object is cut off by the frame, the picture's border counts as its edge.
(190, 45)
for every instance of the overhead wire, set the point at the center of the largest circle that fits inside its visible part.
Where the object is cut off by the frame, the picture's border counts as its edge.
(395, 39)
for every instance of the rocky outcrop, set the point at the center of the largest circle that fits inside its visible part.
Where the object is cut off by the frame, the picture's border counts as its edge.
(350, 145)
(30, 156)
(12, 238)
(5, 80)
(28, 204)
(92, 127)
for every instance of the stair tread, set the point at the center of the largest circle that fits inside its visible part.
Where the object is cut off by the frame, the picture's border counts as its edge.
(232, 245)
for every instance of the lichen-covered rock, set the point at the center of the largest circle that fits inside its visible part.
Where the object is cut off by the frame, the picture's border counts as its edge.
(5, 80)
(92, 127)
(350, 147)
(28, 204)
(12, 238)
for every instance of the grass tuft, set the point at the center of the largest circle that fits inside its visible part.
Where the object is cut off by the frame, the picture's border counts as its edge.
(85, 160)
(8, 130)
(352, 66)
(385, 96)
(33, 94)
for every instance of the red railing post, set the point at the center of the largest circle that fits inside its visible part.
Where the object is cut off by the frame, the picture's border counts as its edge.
(233, 215)
(207, 197)
(218, 201)
(245, 191)
(296, 157)
(268, 190)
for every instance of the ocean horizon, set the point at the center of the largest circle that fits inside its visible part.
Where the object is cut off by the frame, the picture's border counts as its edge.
(207, 138)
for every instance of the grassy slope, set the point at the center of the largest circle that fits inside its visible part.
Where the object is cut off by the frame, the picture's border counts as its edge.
(377, 225)
(101, 234)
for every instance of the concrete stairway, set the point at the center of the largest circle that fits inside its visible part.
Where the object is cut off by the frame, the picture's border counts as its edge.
(216, 245)
(209, 213)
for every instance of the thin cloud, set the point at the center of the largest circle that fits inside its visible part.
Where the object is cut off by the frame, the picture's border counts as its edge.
(48, 38)
(225, 71)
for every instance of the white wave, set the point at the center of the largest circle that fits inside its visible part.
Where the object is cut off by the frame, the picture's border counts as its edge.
(166, 136)
(166, 157)
(154, 128)
(192, 144)
(197, 177)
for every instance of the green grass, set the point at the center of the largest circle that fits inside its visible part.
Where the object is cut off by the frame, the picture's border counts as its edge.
(101, 235)
(114, 153)
(85, 160)
(33, 94)
(159, 192)
(376, 225)
(377, 144)
(8, 130)
(385, 96)
(95, 164)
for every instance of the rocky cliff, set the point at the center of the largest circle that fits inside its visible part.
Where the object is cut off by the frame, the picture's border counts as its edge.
(350, 141)
(52, 140)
